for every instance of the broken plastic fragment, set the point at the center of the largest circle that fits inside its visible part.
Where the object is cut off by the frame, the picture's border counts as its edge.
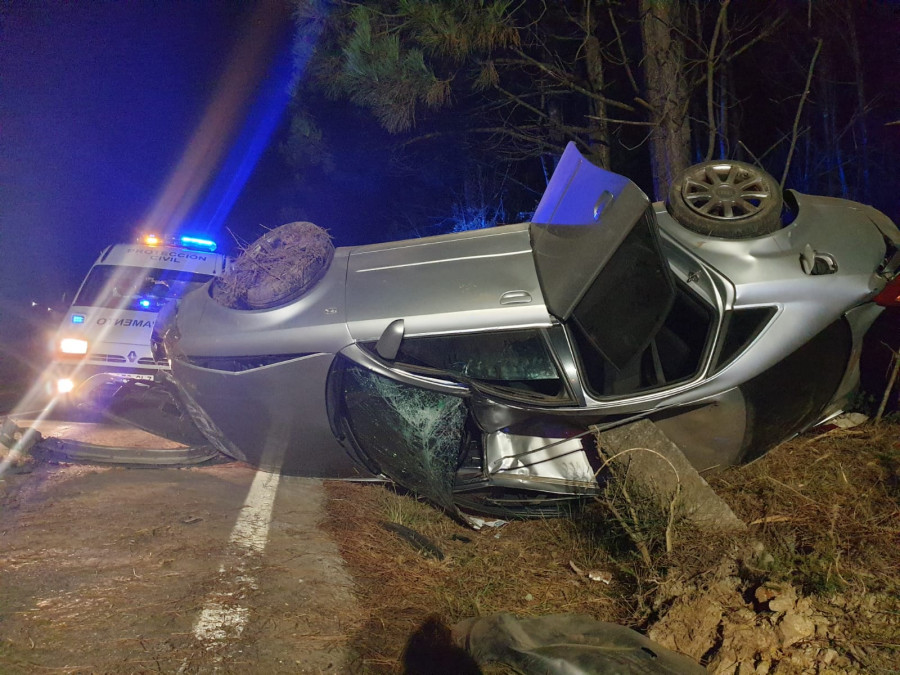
(477, 523)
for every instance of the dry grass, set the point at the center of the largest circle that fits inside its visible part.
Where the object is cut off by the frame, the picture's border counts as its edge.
(521, 568)
(824, 510)
(826, 507)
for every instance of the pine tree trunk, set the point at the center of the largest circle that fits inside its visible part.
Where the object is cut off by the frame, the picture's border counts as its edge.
(667, 91)
(599, 135)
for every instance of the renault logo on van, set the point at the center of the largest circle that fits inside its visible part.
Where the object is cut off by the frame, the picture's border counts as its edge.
(132, 356)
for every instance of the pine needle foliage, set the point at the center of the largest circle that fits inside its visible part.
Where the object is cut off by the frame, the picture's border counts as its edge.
(398, 56)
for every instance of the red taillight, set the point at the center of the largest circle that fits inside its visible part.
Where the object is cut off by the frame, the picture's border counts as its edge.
(890, 296)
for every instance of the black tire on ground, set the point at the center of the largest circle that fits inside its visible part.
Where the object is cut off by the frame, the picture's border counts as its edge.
(726, 198)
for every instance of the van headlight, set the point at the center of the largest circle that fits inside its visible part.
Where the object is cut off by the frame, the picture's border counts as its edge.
(73, 346)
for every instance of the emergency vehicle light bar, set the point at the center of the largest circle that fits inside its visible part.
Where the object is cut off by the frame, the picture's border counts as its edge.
(197, 243)
(184, 241)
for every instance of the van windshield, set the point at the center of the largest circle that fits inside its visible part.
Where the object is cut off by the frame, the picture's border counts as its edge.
(141, 289)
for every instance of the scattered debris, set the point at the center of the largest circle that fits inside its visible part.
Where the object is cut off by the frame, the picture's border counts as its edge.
(15, 445)
(593, 575)
(477, 523)
(420, 542)
(566, 643)
(847, 420)
(16, 438)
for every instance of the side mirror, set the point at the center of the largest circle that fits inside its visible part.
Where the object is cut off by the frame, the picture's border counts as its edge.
(389, 343)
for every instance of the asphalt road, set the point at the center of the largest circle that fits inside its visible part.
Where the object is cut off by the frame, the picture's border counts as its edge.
(212, 568)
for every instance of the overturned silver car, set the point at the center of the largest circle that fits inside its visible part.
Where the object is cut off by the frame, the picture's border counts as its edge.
(470, 367)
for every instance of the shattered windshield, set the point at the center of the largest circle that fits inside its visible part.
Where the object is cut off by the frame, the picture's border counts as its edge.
(141, 289)
(412, 434)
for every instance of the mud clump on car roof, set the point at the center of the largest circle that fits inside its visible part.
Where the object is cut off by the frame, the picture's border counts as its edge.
(280, 266)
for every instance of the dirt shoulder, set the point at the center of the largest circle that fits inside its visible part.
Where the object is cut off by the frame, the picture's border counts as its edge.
(813, 586)
(108, 569)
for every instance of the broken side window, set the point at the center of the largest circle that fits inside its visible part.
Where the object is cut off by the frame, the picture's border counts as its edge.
(516, 361)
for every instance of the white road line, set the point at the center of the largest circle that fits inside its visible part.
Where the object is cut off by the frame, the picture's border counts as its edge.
(222, 619)
(252, 527)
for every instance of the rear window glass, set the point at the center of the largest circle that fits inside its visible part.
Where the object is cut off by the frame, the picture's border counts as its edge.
(743, 327)
(142, 289)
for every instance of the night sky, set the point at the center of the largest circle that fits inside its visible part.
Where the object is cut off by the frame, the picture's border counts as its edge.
(100, 107)
(118, 114)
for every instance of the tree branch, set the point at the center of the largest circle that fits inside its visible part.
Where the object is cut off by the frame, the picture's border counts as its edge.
(625, 63)
(634, 123)
(803, 97)
(572, 85)
(775, 25)
(537, 111)
(710, 79)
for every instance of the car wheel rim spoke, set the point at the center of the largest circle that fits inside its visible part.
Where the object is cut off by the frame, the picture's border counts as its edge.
(698, 200)
(751, 182)
(695, 187)
(725, 192)
(731, 176)
(757, 194)
(748, 207)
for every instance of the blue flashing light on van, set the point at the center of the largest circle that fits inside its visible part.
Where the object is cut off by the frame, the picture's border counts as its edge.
(105, 339)
(185, 241)
(198, 244)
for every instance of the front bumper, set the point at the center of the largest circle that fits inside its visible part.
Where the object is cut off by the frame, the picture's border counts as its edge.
(81, 381)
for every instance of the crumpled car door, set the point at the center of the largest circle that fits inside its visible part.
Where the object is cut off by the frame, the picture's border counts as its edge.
(598, 258)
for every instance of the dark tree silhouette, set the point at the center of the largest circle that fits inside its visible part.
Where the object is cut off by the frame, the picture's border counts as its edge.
(644, 87)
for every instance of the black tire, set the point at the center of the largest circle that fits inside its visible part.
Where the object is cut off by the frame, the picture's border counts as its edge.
(276, 269)
(728, 199)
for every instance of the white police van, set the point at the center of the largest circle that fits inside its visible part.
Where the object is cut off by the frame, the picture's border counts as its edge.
(104, 338)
